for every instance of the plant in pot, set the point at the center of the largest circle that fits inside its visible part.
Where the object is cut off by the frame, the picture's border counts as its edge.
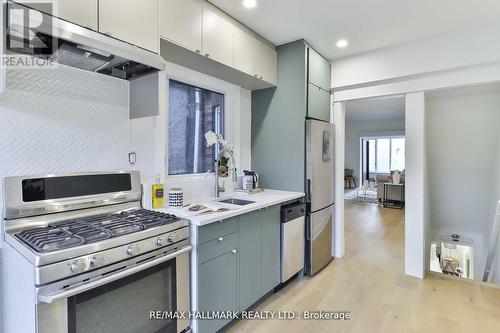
(223, 167)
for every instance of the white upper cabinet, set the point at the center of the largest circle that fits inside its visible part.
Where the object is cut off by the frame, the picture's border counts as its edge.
(181, 22)
(254, 57)
(268, 64)
(81, 12)
(200, 27)
(132, 21)
(246, 52)
(218, 38)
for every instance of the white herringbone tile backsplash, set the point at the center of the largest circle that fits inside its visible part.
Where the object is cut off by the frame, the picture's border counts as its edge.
(63, 120)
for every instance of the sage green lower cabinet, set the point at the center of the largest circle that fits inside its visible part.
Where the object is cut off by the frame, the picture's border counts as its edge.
(250, 267)
(270, 248)
(234, 280)
(259, 254)
(217, 289)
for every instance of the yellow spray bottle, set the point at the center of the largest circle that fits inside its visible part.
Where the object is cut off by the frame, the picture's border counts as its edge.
(158, 193)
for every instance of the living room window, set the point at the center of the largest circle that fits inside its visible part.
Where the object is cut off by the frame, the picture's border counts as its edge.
(384, 155)
(192, 112)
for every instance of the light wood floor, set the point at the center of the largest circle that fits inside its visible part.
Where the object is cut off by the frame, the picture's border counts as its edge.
(370, 283)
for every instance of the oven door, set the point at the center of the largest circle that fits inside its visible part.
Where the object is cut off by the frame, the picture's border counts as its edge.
(144, 301)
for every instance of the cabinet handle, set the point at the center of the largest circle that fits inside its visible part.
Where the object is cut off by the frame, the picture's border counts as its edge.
(260, 77)
(198, 51)
(207, 54)
(256, 75)
(234, 251)
(220, 239)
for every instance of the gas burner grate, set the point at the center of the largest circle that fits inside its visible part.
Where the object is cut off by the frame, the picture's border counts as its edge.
(62, 235)
(115, 224)
(50, 239)
(150, 219)
(89, 233)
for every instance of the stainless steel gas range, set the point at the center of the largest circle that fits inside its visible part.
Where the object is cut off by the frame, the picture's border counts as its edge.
(80, 255)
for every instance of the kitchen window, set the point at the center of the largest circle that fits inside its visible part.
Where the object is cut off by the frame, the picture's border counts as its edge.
(192, 112)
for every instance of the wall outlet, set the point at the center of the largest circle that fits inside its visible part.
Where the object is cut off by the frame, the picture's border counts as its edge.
(132, 158)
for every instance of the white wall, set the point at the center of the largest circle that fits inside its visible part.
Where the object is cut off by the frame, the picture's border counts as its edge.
(464, 48)
(356, 129)
(463, 152)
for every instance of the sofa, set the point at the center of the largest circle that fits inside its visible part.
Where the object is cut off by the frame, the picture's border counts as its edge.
(394, 193)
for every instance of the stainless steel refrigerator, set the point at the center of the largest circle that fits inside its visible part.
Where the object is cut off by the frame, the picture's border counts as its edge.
(319, 194)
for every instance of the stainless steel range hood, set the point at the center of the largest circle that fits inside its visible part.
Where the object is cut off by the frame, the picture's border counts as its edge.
(33, 32)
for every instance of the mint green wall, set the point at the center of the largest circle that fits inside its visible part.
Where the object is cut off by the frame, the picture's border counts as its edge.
(278, 123)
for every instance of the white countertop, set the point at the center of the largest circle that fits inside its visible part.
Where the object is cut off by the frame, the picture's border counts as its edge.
(261, 200)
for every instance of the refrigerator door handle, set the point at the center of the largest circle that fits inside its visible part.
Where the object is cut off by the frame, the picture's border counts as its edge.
(309, 190)
(308, 227)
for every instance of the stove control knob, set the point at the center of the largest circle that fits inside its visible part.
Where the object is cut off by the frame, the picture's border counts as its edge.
(161, 241)
(96, 261)
(172, 238)
(77, 266)
(133, 250)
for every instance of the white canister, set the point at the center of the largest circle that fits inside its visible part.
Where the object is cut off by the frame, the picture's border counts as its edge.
(175, 197)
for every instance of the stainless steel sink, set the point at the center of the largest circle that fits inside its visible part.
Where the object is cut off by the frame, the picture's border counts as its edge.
(234, 201)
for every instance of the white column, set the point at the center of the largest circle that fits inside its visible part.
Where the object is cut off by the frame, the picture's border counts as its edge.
(415, 215)
(339, 121)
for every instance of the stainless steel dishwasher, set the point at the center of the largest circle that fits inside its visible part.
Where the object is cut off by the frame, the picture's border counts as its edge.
(292, 240)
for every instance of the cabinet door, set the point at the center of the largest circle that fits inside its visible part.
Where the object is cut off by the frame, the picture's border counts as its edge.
(318, 103)
(180, 22)
(246, 52)
(218, 37)
(319, 70)
(81, 12)
(270, 248)
(133, 21)
(268, 61)
(250, 254)
(217, 289)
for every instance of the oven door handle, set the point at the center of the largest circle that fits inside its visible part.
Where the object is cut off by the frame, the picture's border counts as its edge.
(54, 297)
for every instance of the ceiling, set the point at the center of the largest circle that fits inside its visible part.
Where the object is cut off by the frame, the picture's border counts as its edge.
(375, 109)
(366, 24)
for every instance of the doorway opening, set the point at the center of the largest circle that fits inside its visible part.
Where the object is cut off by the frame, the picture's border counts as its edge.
(374, 171)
